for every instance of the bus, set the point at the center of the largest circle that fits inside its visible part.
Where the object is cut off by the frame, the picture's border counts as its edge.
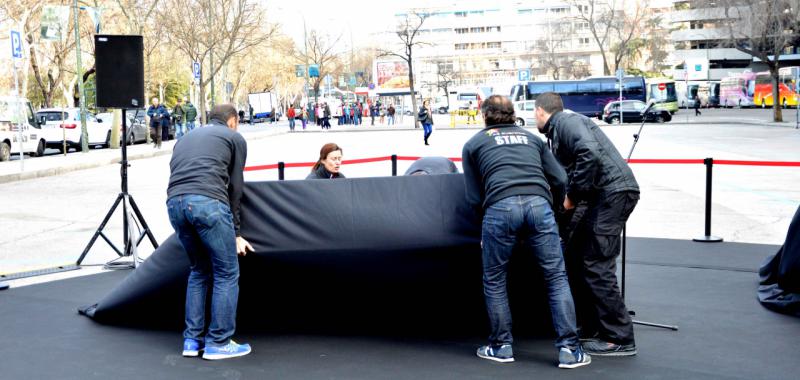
(588, 96)
(661, 91)
(787, 88)
(737, 90)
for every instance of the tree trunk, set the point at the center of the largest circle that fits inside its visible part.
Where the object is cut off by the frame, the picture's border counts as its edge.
(202, 99)
(777, 102)
(413, 96)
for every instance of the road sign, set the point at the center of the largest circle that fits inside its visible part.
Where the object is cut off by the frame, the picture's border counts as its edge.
(620, 74)
(16, 44)
(313, 71)
(299, 70)
(196, 70)
(662, 86)
(524, 75)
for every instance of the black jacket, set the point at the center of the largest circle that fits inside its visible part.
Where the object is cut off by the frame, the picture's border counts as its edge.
(594, 166)
(322, 173)
(505, 160)
(424, 116)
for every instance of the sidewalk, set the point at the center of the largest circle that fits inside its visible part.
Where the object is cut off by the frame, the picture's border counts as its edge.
(51, 165)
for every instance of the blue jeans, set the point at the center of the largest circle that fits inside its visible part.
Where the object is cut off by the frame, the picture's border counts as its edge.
(530, 219)
(391, 120)
(180, 130)
(205, 228)
(428, 128)
(189, 126)
(291, 123)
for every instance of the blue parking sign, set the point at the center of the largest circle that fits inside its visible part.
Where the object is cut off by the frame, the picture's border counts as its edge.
(524, 75)
(16, 44)
(196, 70)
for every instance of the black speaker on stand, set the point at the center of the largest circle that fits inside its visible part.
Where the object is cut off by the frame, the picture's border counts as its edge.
(119, 76)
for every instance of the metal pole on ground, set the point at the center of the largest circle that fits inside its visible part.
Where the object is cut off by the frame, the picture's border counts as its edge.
(394, 165)
(708, 238)
(281, 169)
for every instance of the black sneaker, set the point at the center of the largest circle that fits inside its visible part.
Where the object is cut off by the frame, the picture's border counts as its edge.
(502, 353)
(600, 347)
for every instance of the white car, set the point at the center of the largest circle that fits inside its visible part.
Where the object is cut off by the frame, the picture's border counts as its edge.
(525, 111)
(13, 113)
(60, 124)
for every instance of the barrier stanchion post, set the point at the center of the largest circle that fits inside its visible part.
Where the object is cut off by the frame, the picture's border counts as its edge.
(708, 238)
(394, 165)
(281, 169)
(452, 119)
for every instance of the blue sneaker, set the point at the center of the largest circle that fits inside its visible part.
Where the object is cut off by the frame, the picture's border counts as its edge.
(192, 347)
(230, 350)
(499, 353)
(573, 358)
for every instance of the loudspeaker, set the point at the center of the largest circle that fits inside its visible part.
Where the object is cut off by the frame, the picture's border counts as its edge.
(119, 64)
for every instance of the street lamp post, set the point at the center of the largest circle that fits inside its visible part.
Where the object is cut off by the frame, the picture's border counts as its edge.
(81, 101)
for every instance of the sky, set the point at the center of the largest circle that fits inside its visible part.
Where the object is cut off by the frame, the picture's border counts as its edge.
(335, 17)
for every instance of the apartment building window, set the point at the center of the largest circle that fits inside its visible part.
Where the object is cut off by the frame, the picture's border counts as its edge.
(462, 30)
(524, 11)
(477, 30)
(582, 8)
(582, 25)
(492, 29)
(462, 46)
(460, 14)
(493, 45)
(442, 30)
(559, 10)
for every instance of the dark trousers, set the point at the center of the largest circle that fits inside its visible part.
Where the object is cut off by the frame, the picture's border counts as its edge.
(155, 134)
(591, 255)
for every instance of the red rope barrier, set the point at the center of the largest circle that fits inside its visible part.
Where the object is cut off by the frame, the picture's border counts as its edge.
(679, 161)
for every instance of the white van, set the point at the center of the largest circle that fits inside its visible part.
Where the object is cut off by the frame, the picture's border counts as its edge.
(16, 111)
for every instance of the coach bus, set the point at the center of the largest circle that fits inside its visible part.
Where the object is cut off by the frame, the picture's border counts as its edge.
(661, 91)
(737, 90)
(762, 94)
(587, 96)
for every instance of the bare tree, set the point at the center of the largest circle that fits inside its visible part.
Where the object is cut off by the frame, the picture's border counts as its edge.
(214, 29)
(408, 32)
(321, 52)
(445, 79)
(627, 25)
(549, 51)
(599, 16)
(764, 29)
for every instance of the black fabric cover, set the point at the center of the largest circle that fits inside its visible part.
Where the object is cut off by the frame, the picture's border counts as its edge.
(385, 255)
(779, 289)
(432, 165)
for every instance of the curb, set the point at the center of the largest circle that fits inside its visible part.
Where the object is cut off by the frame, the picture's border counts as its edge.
(58, 170)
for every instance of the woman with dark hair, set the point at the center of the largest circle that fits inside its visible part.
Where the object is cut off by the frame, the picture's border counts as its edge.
(328, 164)
(425, 117)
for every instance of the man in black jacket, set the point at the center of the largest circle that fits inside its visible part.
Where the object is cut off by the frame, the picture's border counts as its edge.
(600, 178)
(510, 177)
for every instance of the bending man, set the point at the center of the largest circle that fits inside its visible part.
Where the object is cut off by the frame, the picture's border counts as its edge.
(205, 189)
(599, 177)
(509, 174)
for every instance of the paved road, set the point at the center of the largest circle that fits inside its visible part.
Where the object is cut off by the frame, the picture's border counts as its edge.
(47, 221)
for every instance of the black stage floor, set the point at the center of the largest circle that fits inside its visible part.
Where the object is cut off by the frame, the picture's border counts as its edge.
(709, 290)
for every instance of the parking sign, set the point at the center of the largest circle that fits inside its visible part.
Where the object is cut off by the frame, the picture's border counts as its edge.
(16, 44)
(524, 75)
(196, 70)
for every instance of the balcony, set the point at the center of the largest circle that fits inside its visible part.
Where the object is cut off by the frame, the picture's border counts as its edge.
(697, 15)
(699, 35)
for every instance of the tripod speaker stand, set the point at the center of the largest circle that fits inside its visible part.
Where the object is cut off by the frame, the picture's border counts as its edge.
(130, 214)
(119, 75)
(624, 236)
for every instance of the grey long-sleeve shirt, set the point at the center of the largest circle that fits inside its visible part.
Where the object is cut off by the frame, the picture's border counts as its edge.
(210, 161)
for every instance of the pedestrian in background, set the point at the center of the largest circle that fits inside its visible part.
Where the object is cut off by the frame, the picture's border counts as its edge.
(390, 113)
(697, 105)
(326, 116)
(159, 118)
(179, 115)
(425, 117)
(304, 118)
(290, 115)
(191, 114)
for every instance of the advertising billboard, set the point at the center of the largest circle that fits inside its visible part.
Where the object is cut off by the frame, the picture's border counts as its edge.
(391, 77)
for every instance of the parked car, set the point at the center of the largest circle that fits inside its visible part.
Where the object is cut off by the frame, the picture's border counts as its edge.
(68, 124)
(13, 113)
(525, 111)
(136, 125)
(632, 112)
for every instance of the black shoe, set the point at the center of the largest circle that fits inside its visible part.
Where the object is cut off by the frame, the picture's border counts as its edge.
(600, 347)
